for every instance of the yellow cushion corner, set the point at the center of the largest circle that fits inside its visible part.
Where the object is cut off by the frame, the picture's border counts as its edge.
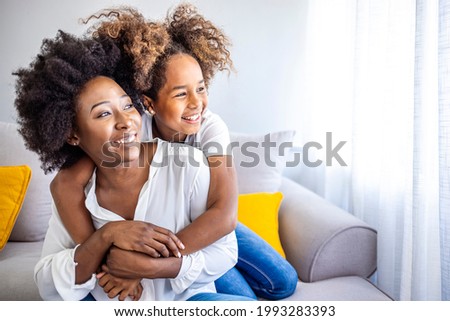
(259, 212)
(14, 181)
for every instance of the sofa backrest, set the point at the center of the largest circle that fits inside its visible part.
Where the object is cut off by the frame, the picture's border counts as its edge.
(32, 221)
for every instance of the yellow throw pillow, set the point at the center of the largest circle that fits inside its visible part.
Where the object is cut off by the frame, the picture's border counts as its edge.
(259, 212)
(14, 182)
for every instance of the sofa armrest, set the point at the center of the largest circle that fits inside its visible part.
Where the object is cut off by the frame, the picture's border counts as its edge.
(321, 240)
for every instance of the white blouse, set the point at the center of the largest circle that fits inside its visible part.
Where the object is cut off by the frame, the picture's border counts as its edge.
(173, 196)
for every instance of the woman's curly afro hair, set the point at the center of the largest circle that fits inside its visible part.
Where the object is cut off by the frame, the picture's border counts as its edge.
(47, 90)
(148, 45)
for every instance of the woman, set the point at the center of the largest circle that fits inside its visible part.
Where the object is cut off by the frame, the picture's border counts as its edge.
(69, 106)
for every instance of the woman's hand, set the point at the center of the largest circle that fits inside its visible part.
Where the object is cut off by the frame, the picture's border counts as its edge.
(144, 237)
(115, 286)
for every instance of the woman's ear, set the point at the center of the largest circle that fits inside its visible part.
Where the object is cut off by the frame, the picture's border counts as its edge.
(148, 104)
(73, 140)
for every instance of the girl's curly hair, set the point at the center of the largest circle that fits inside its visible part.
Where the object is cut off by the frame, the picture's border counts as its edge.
(201, 38)
(47, 90)
(148, 45)
(141, 41)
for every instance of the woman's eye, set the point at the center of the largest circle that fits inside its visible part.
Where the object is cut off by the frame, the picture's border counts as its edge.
(103, 114)
(201, 89)
(128, 106)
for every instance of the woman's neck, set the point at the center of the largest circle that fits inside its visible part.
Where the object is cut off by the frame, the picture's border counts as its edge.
(118, 189)
(126, 174)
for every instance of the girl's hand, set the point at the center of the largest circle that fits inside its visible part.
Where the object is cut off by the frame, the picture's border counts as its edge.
(124, 264)
(123, 288)
(144, 237)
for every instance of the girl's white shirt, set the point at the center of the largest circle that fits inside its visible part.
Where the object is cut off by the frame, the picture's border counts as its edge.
(173, 196)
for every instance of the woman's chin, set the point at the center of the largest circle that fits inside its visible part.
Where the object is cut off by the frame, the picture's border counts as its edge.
(123, 155)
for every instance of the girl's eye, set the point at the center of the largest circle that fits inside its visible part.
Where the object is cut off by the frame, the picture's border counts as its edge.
(182, 94)
(128, 106)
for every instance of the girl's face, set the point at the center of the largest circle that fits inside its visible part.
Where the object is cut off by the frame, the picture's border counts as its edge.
(107, 123)
(181, 101)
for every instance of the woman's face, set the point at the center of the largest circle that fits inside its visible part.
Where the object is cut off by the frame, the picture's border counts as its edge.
(108, 125)
(182, 100)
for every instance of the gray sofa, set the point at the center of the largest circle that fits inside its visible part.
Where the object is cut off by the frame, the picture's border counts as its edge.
(333, 252)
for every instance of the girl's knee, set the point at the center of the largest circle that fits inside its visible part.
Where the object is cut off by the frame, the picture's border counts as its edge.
(284, 285)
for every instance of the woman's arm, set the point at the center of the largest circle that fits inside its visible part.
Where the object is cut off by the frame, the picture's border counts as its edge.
(134, 236)
(90, 254)
(61, 267)
(220, 218)
(64, 265)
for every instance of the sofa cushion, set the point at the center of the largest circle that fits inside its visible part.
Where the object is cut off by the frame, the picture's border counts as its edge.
(260, 160)
(259, 212)
(14, 182)
(32, 221)
(347, 288)
(17, 261)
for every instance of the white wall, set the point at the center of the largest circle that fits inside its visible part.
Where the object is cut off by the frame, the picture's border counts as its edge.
(267, 38)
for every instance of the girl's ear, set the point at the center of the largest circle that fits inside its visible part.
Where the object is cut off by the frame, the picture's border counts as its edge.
(148, 104)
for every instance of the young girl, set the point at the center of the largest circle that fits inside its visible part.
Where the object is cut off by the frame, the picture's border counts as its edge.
(68, 106)
(172, 69)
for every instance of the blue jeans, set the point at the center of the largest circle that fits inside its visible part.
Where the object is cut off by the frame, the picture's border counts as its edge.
(88, 297)
(260, 270)
(218, 297)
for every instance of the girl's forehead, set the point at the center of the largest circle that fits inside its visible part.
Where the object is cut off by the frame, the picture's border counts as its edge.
(182, 65)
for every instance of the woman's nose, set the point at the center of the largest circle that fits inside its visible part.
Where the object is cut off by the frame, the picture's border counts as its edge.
(123, 121)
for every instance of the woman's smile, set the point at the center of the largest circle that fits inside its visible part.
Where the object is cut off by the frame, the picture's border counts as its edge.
(126, 139)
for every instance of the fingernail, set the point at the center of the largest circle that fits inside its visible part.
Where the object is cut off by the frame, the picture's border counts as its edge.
(182, 246)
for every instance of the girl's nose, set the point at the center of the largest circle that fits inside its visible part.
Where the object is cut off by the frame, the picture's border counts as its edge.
(195, 102)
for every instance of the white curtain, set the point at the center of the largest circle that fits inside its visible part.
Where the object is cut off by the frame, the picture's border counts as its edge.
(376, 74)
